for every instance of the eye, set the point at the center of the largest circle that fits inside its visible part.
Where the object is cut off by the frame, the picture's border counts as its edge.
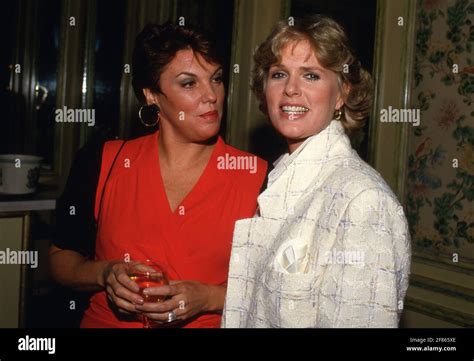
(312, 76)
(277, 75)
(188, 83)
(218, 79)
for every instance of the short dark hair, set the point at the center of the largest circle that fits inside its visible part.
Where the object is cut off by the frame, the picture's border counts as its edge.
(157, 45)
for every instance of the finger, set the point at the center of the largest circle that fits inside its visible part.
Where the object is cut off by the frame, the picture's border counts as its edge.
(161, 317)
(158, 291)
(164, 317)
(122, 305)
(127, 295)
(158, 307)
(176, 282)
(157, 317)
(142, 267)
(125, 280)
(123, 292)
(169, 290)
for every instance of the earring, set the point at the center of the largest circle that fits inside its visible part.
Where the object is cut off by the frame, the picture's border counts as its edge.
(149, 112)
(338, 114)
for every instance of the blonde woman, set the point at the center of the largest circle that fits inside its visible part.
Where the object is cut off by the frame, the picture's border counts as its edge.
(330, 245)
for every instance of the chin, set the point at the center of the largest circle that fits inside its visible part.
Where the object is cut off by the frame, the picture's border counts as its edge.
(207, 132)
(292, 131)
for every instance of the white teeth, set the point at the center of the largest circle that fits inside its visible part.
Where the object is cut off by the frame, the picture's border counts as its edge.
(294, 109)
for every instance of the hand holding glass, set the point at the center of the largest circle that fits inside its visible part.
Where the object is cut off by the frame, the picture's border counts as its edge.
(148, 274)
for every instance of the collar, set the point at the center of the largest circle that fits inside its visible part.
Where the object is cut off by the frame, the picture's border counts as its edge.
(294, 173)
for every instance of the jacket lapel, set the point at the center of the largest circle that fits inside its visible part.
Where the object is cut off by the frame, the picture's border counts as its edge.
(294, 174)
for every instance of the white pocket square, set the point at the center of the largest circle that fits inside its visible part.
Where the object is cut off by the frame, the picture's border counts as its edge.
(291, 256)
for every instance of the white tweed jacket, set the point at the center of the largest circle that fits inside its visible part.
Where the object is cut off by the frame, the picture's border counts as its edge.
(330, 246)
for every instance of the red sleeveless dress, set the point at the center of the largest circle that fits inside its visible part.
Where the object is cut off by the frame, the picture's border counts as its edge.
(193, 243)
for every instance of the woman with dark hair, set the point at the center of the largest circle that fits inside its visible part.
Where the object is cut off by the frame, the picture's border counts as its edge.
(171, 197)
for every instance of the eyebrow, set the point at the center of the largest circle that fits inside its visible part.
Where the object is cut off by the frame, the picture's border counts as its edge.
(186, 73)
(194, 75)
(304, 68)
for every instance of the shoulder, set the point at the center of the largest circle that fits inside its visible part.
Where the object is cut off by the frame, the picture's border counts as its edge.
(111, 145)
(130, 149)
(368, 197)
(134, 143)
(369, 207)
(356, 179)
(352, 186)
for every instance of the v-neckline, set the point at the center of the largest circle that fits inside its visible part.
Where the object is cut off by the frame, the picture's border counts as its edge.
(205, 174)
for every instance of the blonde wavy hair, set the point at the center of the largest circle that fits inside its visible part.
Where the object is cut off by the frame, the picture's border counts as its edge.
(332, 49)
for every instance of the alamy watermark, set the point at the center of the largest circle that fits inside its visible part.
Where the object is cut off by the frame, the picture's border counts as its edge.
(66, 115)
(344, 257)
(232, 162)
(28, 343)
(9, 256)
(394, 115)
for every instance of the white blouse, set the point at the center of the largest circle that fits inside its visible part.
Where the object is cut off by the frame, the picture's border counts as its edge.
(330, 247)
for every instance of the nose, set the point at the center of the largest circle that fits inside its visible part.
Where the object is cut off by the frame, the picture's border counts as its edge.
(209, 94)
(292, 87)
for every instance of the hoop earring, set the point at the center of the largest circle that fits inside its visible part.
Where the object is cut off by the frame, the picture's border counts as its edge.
(154, 112)
(338, 114)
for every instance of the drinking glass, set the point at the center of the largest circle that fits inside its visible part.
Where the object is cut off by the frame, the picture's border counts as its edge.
(148, 274)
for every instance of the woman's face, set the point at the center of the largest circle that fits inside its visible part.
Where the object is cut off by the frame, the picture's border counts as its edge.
(301, 95)
(191, 99)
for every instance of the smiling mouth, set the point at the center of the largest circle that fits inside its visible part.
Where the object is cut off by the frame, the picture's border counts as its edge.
(294, 109)
(294, 112)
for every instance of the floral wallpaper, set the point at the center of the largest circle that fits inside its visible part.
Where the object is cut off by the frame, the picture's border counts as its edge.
(440, 194)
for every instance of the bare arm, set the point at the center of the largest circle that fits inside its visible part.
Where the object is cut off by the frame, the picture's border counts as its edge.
(71, 269)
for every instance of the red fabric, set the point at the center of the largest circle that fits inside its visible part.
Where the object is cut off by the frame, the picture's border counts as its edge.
(136, 220)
